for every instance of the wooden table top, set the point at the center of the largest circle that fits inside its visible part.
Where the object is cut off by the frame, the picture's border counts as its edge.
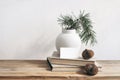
(35, 69)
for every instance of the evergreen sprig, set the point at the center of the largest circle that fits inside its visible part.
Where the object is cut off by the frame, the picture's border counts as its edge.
(82, 24)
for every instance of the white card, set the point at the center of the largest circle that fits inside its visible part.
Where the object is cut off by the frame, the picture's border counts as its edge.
(70, 53)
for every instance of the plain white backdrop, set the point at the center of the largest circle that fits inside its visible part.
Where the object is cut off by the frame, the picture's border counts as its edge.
(28, 28)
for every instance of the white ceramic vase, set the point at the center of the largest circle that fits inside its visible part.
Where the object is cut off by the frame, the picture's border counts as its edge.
(68, 39)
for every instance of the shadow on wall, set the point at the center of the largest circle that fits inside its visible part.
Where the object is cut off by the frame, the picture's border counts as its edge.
(39, 49)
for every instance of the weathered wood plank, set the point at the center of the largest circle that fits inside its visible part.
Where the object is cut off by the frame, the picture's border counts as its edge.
(39, 70)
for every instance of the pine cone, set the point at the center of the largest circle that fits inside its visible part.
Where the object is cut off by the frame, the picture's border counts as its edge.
(91, 69)
(87, 54)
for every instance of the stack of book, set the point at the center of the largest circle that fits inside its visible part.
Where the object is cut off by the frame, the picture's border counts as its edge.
(68, 65)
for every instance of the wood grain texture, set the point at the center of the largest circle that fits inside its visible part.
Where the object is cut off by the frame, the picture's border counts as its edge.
(39, 70)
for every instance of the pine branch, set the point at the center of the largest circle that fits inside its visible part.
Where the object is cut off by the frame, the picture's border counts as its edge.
(82, 24)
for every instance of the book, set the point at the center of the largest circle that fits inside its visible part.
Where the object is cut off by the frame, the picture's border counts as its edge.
(63, 68)
(63, 61)
(69, 65)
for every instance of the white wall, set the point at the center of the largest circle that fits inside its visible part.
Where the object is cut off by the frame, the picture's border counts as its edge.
(28, 28)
